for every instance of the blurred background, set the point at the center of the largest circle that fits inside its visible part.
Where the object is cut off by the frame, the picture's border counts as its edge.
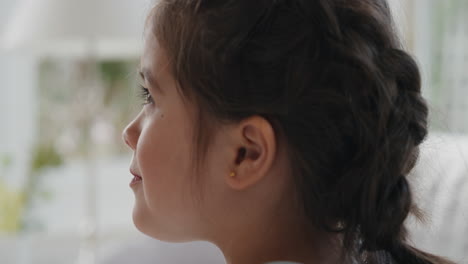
(67, 75)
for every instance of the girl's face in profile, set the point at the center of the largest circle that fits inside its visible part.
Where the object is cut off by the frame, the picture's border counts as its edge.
(161, 138)
(238, 212)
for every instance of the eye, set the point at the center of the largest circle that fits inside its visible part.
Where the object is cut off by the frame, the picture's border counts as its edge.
(145, 95)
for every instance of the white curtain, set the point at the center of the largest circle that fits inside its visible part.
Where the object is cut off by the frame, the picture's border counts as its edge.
(436, 32)
(453, 89)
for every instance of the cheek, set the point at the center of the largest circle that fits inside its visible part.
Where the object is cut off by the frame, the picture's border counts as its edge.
(164, 161)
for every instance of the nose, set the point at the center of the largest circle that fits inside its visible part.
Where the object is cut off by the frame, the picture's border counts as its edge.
(131, 133)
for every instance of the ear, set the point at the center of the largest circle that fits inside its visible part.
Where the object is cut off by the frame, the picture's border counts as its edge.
(254, 152)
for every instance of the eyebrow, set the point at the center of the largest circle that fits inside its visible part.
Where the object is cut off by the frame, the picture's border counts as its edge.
(146, 75)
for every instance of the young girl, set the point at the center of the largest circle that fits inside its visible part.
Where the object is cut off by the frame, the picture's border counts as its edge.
(279, 130)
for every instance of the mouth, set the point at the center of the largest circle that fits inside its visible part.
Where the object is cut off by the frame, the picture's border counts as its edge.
(136, 179)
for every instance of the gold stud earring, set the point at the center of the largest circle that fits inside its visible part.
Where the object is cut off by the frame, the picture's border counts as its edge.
(232, 174)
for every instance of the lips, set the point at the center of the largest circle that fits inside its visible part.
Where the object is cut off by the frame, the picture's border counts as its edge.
(136, 178)
(134, 174)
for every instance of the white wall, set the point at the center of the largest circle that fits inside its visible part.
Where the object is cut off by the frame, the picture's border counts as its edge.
(18, 104)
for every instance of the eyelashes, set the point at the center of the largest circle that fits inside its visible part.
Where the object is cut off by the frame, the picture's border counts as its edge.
(144, 95)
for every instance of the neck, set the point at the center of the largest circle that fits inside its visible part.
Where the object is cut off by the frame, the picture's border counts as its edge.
(284, 239)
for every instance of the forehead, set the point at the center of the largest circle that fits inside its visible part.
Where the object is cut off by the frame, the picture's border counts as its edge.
(153, 57)
(150, 45)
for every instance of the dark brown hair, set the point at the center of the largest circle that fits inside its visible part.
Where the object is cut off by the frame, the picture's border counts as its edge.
(334, 81)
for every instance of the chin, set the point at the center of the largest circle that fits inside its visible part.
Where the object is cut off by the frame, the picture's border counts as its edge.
(142, 218)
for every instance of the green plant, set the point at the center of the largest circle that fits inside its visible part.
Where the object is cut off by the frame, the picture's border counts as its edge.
(16, 203)
(11, 201)
(11, 205)
(45, 155)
